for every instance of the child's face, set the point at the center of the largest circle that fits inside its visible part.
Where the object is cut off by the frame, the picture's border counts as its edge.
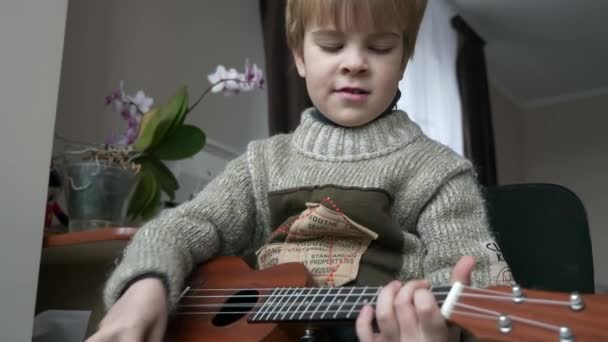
(351, 77)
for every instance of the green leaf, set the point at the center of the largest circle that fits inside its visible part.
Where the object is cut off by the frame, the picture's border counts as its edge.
(163, 175)
(185, 142)
(179, 119)
(152, 208)
(156, 123)
(143, 195)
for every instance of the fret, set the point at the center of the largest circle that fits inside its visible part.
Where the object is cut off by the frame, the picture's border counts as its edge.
(312, 300)
(303, 301)
(273, 304)
(322, 303)
(327, 290)
(315, 304)
(352, 288)
(350, 312)
(375, 296)
(282, 304)
(332, 302)
(295, 300)
(266, 304)
(440, 292)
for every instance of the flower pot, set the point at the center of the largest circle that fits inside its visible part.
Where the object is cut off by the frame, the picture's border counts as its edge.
(97, 194)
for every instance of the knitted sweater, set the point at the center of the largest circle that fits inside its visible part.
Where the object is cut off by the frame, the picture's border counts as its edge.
(419, 196)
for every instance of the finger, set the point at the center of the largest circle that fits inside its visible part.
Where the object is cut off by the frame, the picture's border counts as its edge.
(101, 335)
(431, 322)
(92, 338)
(385, 312)
(363, 326)
(132, 336)
(404, 308)
(462, 270)
(157, 332)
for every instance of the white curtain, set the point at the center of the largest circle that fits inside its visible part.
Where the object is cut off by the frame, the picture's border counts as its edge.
(429, 87)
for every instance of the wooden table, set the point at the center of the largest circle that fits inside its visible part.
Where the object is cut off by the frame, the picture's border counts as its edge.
(74, 268)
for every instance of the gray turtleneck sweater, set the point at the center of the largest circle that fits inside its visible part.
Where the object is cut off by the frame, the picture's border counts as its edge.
(420, 197)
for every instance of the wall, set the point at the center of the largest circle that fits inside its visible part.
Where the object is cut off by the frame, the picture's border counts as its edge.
(158, 46)
(508, 138)
(566, 144)
(31, 36)
(561, 143)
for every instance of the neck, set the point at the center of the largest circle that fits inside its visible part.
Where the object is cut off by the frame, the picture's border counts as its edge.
(318, 304)
(317, 114)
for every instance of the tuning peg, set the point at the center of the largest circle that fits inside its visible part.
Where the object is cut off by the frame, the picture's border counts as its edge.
(576, 301)
(504, 324)
(565, 335)
(518, 294)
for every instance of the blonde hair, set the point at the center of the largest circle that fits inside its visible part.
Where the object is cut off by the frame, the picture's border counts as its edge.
(379, 15)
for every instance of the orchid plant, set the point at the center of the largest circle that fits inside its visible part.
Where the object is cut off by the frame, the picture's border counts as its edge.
(157, 134)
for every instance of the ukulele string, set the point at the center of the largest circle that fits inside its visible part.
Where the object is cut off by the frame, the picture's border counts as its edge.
(278, 313)
(356, 306)
(491, 294)
(494, 315)
(509, 297)
(259, 305)
(265, 292)
(504, 297)
(478, 312)
(273, 296)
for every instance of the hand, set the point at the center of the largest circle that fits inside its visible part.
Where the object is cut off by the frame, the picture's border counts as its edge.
(139, 315)
(409, 312)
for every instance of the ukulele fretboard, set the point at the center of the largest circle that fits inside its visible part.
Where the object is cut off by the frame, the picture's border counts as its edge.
(319, 303)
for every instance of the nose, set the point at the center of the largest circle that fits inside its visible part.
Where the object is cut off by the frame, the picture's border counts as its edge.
(354, 62)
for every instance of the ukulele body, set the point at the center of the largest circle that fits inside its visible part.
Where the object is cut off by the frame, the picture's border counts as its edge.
(234, 273)
(241, 291)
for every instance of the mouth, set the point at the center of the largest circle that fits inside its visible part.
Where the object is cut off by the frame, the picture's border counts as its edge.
(353, 94)
(353, 90)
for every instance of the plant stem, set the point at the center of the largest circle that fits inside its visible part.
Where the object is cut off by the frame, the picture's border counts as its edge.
(209, 89)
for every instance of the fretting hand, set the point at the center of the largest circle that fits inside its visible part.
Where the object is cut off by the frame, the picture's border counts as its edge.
(409, 312)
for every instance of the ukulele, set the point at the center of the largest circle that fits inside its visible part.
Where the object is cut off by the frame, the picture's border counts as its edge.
(228, 301)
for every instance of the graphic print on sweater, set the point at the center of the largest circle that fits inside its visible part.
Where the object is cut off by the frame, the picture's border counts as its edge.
(326, 241)
(319, 219)
(499, 270)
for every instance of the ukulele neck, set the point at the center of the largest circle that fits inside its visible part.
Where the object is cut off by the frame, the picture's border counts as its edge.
(319, 304)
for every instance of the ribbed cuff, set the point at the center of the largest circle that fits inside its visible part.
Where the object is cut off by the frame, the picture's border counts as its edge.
(165, 263)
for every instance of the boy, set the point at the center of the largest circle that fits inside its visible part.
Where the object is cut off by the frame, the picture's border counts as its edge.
(357, 180)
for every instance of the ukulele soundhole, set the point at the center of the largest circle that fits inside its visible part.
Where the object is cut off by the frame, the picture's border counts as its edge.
(236, 307)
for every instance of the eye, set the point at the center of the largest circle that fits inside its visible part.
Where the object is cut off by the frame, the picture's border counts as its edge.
(381, 50)
(330, 48)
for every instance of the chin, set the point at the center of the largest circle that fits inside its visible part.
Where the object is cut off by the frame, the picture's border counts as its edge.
(349, 117)
(354, 123)
(355, 120)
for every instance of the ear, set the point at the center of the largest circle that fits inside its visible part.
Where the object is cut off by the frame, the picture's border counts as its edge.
(299, 59)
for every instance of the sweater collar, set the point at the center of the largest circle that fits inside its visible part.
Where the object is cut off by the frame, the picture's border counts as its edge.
(323, 140)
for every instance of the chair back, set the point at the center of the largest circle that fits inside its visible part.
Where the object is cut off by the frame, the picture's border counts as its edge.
(543, 234)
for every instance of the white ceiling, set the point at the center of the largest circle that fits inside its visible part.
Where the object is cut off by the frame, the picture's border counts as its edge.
(543, 51)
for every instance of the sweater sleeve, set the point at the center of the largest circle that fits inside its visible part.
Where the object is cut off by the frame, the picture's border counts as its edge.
(454, 224)
(220, 219)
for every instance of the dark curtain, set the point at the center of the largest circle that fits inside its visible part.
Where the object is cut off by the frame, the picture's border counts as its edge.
(287, 95)
(476, 112)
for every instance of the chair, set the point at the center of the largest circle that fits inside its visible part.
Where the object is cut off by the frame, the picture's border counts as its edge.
(543, 234)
